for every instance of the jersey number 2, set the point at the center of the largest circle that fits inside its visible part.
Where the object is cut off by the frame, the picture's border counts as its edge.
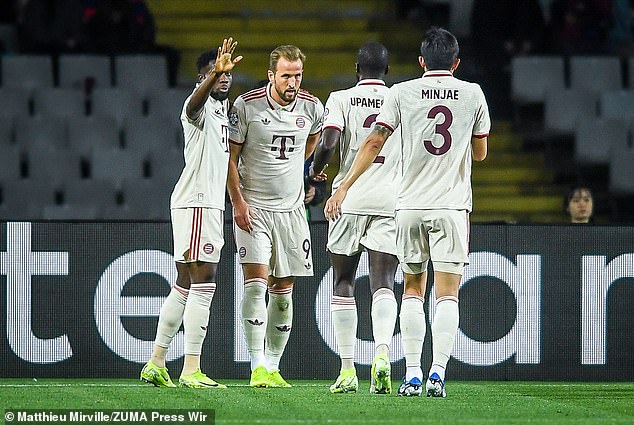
(441, 129)
(367, 123)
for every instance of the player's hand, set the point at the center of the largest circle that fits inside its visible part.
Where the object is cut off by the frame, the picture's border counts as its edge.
(224, 62)
(317, 178)
(332, 210)
(242, 216)
(309, 195)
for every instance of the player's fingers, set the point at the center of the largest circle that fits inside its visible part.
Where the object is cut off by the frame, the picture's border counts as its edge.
(233, 46)
(236, 60)
(328, 209)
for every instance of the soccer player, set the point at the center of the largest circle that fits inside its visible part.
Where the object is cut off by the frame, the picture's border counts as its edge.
(197, 206)
(444, 125)
(367, 219)
(273, 130)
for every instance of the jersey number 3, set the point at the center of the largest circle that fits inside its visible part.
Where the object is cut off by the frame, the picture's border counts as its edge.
(441, 129)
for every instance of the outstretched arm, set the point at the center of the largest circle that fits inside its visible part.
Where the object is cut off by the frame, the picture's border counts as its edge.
(224, 63)
(362, 160)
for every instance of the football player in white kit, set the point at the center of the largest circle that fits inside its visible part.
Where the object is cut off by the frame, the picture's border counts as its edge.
(273, 129)
(444, 125)
(367, 220)
(197, 206)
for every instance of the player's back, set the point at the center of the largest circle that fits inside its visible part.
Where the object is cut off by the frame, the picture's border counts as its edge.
(353, 111)
(438, 115)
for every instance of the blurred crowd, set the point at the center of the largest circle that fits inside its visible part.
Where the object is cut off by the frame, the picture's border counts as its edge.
(531, 26)
(85, 26)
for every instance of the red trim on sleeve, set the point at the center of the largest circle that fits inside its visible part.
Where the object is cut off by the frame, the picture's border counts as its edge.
(480, 136)
(332, 126)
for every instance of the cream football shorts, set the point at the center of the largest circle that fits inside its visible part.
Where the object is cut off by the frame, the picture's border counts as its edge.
(439, 235)
(279, 239)
(350, 233)
(198, 234)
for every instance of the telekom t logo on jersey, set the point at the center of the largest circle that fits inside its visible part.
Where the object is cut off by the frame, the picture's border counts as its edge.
(283, 144)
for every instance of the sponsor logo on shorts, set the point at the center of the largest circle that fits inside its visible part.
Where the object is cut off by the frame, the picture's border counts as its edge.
(255, 322)
(283, 328)
(300, 122)
(208, 248)
(242, 252)
(308, 266)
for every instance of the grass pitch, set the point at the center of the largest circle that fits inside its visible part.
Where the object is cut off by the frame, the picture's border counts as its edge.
(309, 402)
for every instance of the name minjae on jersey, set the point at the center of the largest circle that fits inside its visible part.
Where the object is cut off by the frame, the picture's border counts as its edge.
(440, 94)
(366, 102)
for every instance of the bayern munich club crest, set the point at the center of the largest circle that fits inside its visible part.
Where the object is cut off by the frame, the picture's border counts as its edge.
(242, 252)
(300, 122)
(208, 248)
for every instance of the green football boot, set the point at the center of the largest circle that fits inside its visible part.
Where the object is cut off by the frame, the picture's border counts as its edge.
(259, 377)
(276, 380)
(157, 376)
(381, 375)
(347, 382)
(199, 380)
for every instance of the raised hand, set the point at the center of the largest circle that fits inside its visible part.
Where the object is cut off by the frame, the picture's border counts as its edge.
(224, 62)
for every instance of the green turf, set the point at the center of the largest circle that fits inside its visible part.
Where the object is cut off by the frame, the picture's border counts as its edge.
(310, 402)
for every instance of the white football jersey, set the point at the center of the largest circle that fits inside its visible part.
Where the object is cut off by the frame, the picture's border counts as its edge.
(438, 114)
(273, 139)
(353, 111)
(203, 181)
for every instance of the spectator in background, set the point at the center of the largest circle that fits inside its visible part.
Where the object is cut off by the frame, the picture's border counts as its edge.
(621, 36)
(50, 26)
(7, 12)
(580, 26)
(126, 26)
(501, 30)
(579, 206)
(117, 26)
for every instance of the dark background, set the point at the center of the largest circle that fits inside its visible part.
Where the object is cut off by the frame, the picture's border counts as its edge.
(65, 304)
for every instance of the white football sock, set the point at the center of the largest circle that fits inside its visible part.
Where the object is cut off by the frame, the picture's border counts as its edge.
(254, 319)
(196, 316)
(278, 328)
(384, 309)
(444, 329)
(413, 328)
(344, 320)
(170, 319)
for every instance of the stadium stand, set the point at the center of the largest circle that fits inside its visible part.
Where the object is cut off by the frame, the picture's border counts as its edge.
(130, 114)
(529, 86)
(84, 71)
(59, 102)
(15, 102)
(27, 71)
(118, 103)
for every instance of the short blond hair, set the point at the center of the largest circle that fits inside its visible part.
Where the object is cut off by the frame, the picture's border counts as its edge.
(289, 52)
